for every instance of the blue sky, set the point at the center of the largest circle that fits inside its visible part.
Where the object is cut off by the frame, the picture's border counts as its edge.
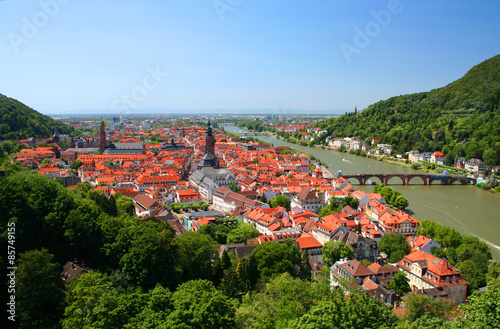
(59, 56)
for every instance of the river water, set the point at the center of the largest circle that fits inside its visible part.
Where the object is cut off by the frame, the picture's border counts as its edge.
(466, 208)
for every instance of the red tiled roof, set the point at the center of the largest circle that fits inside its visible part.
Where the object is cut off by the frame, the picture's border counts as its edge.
(307, 241)
(438, 268)
(356, 269)
(368, 284)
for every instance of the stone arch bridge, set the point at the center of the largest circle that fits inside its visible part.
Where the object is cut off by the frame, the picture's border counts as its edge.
(405, 179)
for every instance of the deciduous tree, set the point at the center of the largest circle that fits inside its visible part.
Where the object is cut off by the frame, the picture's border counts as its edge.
(280, 200)
(39, 290)
(197, 304)
(400, 284)
(335, 250)
(275, 258)
(242, 233)
(197, 252)
(395, 246)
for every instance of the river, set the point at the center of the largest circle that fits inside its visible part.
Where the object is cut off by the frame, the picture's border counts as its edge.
(468, 209)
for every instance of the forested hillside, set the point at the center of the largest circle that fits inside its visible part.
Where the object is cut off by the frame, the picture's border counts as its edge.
(459, 119)
(19, 121)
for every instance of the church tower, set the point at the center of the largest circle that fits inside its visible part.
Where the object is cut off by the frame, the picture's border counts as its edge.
(55, 137)
(210, 141)
(209, 159)
(102, 138)
(72, 142)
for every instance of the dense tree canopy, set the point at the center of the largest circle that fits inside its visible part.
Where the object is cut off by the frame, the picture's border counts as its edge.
(197, 304)
(360, 310)
(350, 201)
(400, 284)
(38, 279)
(422, 311)
(280, 200)
(197, 253)
(483, 308)
(395, 246)
(19, 121)
(466, 253)
(283, 300)
(242, 233)
(275, 258)
(392, 197)
(336, 250)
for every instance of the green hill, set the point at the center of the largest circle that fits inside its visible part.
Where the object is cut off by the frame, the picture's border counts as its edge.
(460, 119)
(19, 121)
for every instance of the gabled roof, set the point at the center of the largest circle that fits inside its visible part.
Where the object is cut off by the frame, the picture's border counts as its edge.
(369, 285)
(356, 269)
(307, 241)
(376, 268)
(438, 271)
(306, 195)
(145, 201)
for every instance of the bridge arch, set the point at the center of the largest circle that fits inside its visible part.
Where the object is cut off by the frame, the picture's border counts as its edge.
(360, 179)
(443, 180)
(371, 177)
(452, 180)
(423, 178)
(389, 177)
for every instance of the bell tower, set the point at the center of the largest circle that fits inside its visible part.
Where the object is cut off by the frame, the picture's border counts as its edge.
(55, 137)
(210, 141)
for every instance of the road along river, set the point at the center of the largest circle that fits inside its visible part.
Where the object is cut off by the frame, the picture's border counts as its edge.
(468, 209)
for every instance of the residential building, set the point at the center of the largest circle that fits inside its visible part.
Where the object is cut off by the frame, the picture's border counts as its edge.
(313, 248)
(145, 207)
(308, 199)
(438, 158)
(413, 156)
(345, 272)
(384, 273)
(268, 221)
(475, 165)
(208, 179)
(460, 162)
(187, 196)
(399, 222)
(425, 156)
(426, 271)
(226, 200)
(324, 233)
(363, 247)
(423, 243)
(71, 270)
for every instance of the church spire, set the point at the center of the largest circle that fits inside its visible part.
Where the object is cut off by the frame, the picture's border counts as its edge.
(209, 129)
(210, 141)
(55, 137)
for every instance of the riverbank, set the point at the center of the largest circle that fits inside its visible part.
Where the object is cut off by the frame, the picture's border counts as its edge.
(425, 166)
(465, 208)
